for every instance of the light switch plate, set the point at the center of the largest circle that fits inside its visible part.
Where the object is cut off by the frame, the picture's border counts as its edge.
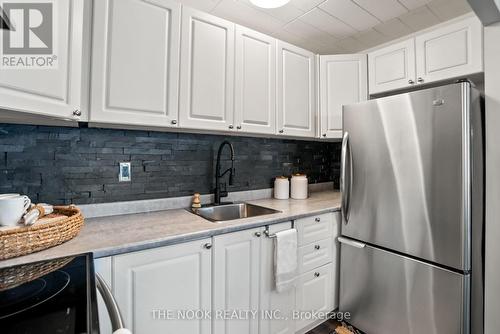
(125, 174)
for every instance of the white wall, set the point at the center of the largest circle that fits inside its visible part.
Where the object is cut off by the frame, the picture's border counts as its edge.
(492, 92)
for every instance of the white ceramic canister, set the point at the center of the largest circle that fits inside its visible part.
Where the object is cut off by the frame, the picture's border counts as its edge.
(299, 185)
(281, 187)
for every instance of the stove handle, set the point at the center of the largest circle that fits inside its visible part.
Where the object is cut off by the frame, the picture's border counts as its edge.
(112, 307)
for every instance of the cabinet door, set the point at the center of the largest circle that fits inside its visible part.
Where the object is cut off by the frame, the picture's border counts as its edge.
(343, 80)
(314, 293)
(315, 255)
(135, 62)
(277, 307)
(103, 267)
(392, 67)
(255, 84)
(150, 283)
(57, 90)
(296, 91)
(314, 228)
(236, 279)
(337, 220)
(452, 51)
(207, 72)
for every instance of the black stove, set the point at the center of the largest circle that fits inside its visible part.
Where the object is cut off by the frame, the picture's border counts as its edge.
(61, 299)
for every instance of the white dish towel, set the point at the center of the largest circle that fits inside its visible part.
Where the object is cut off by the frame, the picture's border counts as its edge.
(285, 259)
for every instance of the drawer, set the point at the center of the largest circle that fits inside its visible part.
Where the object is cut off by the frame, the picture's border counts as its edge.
(315, 255)
(314, 228)
(314, 292)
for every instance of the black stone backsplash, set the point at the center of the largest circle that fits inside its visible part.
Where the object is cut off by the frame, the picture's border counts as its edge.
(80, 165)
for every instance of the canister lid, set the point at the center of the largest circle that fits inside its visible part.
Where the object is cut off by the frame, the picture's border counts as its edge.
(299, 175)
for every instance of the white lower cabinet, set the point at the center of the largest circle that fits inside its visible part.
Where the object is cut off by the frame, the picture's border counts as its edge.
(276, 308)
(314, 228)
(316, 285)
(314, 293)
(150, 283)
(228, 273)
(236, 280)
(103, 267)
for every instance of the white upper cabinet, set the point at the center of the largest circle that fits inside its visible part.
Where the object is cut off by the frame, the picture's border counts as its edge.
(392, 67)
(255, 84)
(55, 90)
(236, 279)
(207, 72)
(135, 62)
(451, 51)
(296, 91)
(343, 80)
(173, 278)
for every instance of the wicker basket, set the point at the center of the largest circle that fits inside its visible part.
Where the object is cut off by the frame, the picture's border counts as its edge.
(29, 239)
(11, 277)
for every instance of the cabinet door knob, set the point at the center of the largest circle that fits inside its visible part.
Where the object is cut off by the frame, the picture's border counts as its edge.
(317, 220)
(324, 134)
(258, 234)
(207, 245)
(411, 82)
(238, 127)
(231, 126)
(281, 131)
(316, 274)
(174, 122)
(317, 247)
(420, 80)
(77, 112)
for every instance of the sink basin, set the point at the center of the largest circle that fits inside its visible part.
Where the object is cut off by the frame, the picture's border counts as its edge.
(224, 212)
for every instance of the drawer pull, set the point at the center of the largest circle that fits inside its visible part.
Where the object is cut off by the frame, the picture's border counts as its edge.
(317, 247)
(317, 220)
(316, 274)
(258, 234)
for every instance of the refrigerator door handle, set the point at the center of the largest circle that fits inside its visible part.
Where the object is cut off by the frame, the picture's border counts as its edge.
(350, 242)
(346, 182)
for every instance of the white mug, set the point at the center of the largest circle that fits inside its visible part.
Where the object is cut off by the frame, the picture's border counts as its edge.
(9, 195)
(12, 209)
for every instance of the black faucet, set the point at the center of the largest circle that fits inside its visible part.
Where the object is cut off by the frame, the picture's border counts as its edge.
(218, 185)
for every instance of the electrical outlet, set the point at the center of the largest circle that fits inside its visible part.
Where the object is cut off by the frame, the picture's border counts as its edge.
(125, 174)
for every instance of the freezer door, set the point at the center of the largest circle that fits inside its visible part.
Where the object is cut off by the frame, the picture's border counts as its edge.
(405, 168)
(389, 293)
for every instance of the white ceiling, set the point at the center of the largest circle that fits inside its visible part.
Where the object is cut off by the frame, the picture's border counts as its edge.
(336, 26)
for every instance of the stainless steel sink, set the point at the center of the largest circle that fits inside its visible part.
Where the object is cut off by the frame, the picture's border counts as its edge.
(224, 212)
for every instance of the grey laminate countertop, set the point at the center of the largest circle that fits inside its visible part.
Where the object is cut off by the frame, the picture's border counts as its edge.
(132, 232)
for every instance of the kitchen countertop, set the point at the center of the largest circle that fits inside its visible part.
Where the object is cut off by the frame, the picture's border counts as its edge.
(114, 235)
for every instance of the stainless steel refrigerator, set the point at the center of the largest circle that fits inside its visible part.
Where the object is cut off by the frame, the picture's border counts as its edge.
(412, 205)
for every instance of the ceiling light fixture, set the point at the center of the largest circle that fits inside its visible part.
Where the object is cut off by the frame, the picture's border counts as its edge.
(269, 3)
